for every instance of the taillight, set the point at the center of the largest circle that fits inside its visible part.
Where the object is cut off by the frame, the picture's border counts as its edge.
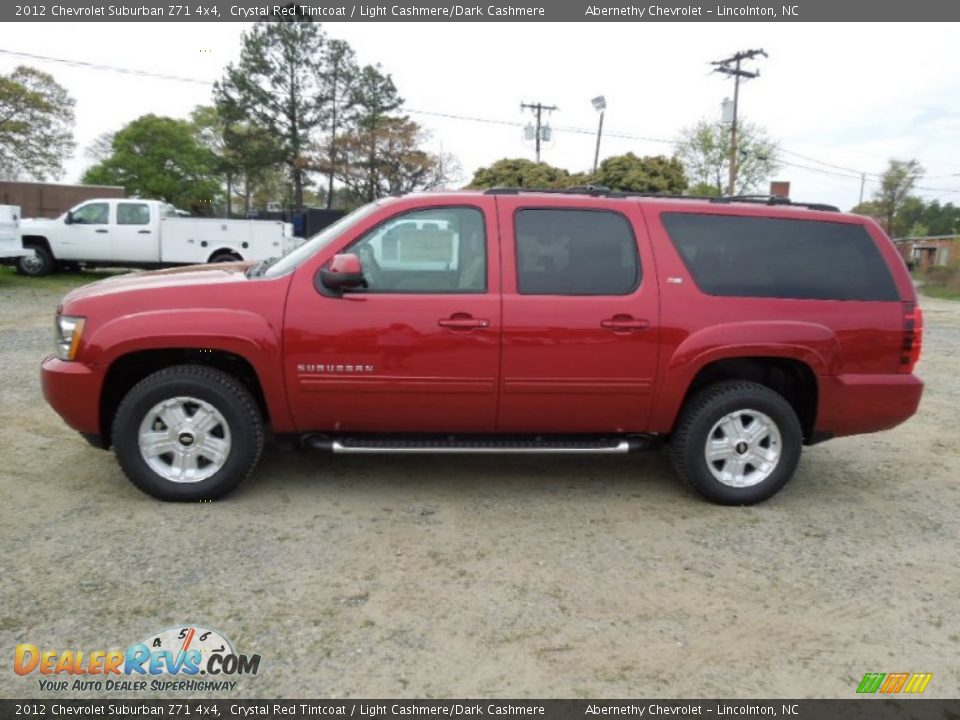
(912, 337)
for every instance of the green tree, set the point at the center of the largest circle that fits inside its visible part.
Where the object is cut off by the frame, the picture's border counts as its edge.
(36, 125)
(244, 152)
(339, 95)
(916, 217)
(159, 157)
(893, 196)
(867, 207)
(210, 129)
(941, 219)
(390, 159)
(630, 173)
(704, 150)
(703, 189)
(258, 157)
(375, 97)
(276, 85)
(519, 172)
(910, 220)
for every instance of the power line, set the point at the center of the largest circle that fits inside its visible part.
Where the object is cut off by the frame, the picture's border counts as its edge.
(858, 177)
(837, 170)
(822, 171)
(822, 162)
(110, 68)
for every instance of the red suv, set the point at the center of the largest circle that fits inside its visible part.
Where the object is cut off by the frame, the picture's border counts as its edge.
(507, 321)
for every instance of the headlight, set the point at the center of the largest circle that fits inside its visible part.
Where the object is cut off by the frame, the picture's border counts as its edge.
(66, 335)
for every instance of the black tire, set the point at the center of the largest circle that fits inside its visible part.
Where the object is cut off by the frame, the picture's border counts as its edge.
(41, 263)
(226, 395)
(224, 257)
(697, 420)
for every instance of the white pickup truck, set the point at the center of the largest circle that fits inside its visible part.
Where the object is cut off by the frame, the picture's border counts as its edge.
(145, 234)
(11, 246)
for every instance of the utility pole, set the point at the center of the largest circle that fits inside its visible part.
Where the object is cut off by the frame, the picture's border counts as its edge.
(863, 181)
(538, 109)
(731, 66)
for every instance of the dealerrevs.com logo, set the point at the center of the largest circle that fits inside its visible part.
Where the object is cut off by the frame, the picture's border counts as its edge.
(172, 659)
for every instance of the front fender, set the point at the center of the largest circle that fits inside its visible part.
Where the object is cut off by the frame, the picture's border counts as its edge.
(810, 343)
(241, 332)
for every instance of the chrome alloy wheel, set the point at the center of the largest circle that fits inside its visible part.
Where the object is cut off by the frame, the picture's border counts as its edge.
(743, 448)
(184, 440)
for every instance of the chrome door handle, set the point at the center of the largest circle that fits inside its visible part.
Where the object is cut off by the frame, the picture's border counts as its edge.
(463, 322)
(624, 323)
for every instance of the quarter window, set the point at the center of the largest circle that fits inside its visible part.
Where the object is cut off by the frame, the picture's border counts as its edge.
(780, 258)
(575, 252)
(440, 250)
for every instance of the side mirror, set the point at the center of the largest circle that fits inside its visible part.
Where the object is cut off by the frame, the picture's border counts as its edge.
(68, 220)
(344, 273)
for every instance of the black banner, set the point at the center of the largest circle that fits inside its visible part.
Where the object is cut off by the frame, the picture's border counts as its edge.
(857, 709)
(501, 10)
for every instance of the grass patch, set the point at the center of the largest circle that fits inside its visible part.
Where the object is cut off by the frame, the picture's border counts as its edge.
(942, 281)
(60, 281)
(944, 293)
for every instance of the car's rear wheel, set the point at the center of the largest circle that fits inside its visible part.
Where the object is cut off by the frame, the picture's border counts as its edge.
(39, 262)
(224, 257)
(188, 433)
(737, 443)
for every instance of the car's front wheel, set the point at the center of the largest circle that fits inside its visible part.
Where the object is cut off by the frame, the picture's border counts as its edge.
(737, 443)
(188, 433)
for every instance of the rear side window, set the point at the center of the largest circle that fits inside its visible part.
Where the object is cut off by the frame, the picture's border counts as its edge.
(133, 214)
(780, 258)
(575, 252)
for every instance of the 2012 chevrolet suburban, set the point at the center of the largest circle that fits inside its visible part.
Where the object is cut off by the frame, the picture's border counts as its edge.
(508, 321)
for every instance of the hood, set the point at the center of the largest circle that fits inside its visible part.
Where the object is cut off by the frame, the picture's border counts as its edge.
(182, 278)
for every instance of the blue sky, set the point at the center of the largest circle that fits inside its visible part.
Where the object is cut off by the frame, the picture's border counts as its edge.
(839, 98)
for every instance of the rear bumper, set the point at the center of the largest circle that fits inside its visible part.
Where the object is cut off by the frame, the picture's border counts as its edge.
(11, 257)
(73, 390)
(855, 404)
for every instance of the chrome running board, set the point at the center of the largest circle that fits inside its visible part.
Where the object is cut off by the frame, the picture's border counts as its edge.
(479, 444)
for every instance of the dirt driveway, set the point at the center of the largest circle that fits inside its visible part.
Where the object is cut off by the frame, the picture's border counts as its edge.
(465, 576)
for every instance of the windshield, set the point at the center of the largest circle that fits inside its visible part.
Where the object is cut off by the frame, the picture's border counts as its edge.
(294, 258)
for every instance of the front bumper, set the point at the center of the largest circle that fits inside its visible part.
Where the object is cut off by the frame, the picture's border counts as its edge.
(73, 390)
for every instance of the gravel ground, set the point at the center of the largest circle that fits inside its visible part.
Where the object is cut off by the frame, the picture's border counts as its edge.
(493, 576)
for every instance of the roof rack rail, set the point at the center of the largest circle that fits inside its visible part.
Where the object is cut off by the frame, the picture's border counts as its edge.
(774, 200)
(575, 190)
(602, 191)
(592, 190)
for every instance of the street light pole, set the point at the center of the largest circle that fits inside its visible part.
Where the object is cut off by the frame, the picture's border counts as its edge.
(599, 103)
